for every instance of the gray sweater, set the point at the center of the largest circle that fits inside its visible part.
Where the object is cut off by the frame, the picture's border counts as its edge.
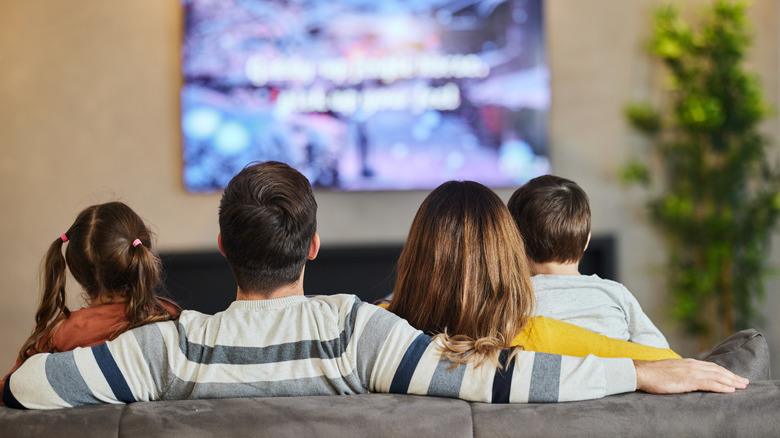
(296, 346)
(602, 306)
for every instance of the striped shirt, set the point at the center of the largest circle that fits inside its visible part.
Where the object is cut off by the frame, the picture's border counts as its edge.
(297, 346)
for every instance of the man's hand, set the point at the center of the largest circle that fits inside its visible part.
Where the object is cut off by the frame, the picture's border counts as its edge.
(673, 376)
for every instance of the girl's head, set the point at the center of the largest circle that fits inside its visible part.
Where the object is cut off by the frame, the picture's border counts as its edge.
(101, 256)
(108, 250)
(463, 272)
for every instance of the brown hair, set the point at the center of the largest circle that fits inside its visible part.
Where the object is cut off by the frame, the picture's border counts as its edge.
(101, 257)
(553, 216)
(267, 219)
(463, 274)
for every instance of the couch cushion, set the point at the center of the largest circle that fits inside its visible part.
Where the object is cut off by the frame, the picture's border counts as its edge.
(86, 421)
(744, 353)
(368, 415)
(752, 412)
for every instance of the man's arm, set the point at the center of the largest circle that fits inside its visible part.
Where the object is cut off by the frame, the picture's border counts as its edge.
(394, 357)
(114, 372)
(407, 361)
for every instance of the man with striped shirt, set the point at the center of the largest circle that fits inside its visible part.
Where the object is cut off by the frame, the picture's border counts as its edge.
(275, 341)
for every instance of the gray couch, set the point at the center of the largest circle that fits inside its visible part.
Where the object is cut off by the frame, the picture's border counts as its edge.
(753, 412)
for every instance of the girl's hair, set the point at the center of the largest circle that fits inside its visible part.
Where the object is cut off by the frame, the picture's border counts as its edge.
(104, 257)
(463, 274)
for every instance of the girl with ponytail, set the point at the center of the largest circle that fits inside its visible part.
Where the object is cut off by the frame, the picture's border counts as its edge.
(463, 276)
(108, 251)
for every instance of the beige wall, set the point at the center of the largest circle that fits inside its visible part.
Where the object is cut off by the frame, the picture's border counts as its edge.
(89, 113)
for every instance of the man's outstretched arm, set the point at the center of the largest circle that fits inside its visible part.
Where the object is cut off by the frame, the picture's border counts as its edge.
(403, 360)
(673, 376)
(114, 372)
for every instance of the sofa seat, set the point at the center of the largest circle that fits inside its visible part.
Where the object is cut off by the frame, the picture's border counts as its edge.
(752, 412)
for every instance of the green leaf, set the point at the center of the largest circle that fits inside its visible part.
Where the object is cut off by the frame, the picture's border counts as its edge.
(635, 172)
(643, 117)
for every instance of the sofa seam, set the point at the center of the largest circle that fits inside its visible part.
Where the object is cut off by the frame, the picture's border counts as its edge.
(471, 411)
(121, 418)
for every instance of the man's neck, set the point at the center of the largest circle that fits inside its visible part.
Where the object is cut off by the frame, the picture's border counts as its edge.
(290, 290)
(553, 268)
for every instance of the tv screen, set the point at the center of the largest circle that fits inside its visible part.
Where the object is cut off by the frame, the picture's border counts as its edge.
(365, 94)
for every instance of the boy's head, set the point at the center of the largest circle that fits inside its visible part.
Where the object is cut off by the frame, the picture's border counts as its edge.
(267, 220)
(553, 216)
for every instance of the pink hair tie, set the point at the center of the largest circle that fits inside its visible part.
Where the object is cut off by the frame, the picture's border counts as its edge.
(136, 242)
(64, 237)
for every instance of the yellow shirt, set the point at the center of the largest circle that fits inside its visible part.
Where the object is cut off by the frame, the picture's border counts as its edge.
(547, 335)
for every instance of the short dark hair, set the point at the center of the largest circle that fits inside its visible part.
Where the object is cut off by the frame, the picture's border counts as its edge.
(267, 218)
(553, 215)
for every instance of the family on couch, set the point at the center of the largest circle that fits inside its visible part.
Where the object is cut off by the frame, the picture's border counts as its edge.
(478, 344)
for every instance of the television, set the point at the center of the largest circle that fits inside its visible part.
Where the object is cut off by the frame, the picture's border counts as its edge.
(365, 94)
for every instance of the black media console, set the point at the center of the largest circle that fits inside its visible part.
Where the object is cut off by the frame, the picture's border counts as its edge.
(202, 280)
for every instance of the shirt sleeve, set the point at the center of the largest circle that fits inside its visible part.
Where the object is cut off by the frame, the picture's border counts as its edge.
(558, 337)
(641, 329)
(113, 372)
(406, 361)
(16, 365)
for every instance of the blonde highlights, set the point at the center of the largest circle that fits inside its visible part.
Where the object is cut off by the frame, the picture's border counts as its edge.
(463, 275)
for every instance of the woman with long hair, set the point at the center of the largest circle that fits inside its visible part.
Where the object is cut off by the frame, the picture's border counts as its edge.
(463, 275)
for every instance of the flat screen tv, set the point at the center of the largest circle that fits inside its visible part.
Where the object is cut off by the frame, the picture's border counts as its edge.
(365, 94)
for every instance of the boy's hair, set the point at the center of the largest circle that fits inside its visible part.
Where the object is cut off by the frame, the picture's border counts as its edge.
(553, 215)
(109, 252)
(267, 218)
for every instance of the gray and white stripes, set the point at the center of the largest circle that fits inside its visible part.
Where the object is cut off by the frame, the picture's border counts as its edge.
(296, 346)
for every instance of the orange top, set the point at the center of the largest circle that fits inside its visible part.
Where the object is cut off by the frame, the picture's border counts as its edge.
(88, 327)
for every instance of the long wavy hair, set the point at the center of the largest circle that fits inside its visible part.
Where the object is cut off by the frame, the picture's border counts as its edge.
(102, 258)
(463, 275)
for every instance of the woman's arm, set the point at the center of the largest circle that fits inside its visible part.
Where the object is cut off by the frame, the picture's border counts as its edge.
(548, 335)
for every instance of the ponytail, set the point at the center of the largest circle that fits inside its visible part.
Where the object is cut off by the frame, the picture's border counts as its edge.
(52, 310)
(102, 259)
(144, 305)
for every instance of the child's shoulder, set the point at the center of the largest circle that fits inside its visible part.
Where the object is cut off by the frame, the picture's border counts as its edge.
(593, 283)
(605, 281)
(609, 286)
(572, 279)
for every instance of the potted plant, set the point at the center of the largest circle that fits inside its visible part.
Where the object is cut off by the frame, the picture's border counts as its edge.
(715, 197)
